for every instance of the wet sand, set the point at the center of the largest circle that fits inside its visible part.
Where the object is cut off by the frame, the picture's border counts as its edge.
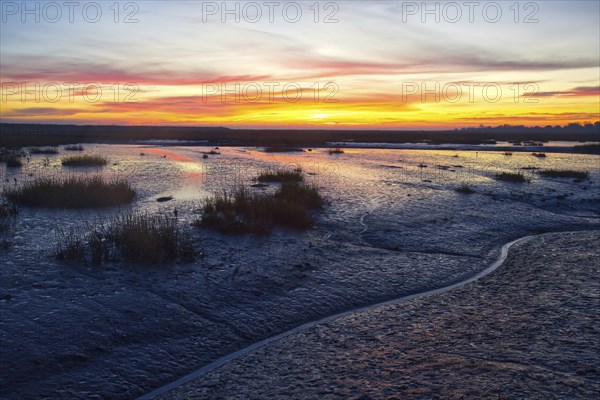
(528, 330)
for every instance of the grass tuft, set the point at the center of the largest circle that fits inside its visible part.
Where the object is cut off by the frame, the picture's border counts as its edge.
(564, 173)
(7, 210)
(70, 247)
(516, 177)
(85, 160)
(147, 239)
(281, 176)
(244, 211)
(7, 214)
(74, 148)
(301, 194)
(336, 150)
(72, 192)
(238, 211)
(464, 189)
(135, 238)
(13, 161)
(589, 148)
(43, 150)
(4, 154)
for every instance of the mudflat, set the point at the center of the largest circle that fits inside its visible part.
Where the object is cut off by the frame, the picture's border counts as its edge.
(528, 330)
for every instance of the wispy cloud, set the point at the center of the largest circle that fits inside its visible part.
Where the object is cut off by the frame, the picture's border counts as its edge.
(171, 53)
(41, 112)
(48, 69)
(581, 91)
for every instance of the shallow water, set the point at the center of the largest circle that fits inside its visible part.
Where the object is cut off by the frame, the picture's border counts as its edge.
(393, 225)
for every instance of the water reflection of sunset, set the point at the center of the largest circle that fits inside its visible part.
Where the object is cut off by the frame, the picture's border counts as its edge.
(172, 155)
(189, 166)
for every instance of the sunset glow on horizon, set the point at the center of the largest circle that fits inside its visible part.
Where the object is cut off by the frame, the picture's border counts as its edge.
(344, 65)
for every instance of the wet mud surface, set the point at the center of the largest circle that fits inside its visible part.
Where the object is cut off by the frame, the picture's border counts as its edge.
(390, 227)
(527, 330)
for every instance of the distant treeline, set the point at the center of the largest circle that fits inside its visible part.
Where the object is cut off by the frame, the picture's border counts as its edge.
(21, 135)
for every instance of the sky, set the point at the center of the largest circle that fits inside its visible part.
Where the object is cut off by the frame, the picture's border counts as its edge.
(301, 64)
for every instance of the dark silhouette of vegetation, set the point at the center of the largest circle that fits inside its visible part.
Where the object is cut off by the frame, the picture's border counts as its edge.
(11, 158)
(516, 177)
(242, 210)
(70, 246)
(533, 143)
(135, 238)
(590, 148)
(149, 239)
(13, 161)
(7, 214)
(74, 148)
(45, 150)
(23, 135)
(85, 160)
(336, 150)
(564, 173)
(304, 195)
(7, 154)
(281, 176)
(464, 189)
(72, 192)
(237, 211)
(7, 210)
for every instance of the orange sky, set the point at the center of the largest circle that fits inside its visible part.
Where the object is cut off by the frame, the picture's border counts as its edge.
(360, 65)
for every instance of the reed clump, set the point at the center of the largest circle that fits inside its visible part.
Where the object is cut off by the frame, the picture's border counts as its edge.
(133, 237)
(564, 173)
(85, 160)
(242, 210)
(515, 177)
(72, 192)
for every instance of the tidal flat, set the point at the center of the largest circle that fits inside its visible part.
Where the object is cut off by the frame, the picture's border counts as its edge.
(393, 223)
(527, 330)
